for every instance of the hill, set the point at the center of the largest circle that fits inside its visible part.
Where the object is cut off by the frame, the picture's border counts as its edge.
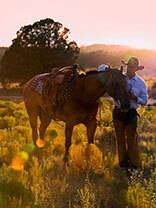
(93, 55)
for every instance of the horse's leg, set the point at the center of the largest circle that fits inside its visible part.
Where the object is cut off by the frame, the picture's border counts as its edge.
(45, 121)
(68, 135)
(91, 122)
(33, 123)
(31, 101)
(91, 128)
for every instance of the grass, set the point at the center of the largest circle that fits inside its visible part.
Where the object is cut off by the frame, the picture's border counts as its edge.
(32, 178)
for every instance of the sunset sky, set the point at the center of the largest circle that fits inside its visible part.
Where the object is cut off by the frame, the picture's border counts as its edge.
(126, 22)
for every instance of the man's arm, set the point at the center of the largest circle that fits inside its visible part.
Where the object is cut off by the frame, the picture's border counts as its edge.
(143, 97)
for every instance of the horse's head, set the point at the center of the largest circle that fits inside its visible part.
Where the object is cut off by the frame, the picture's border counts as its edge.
(117, 87)
(115, 84)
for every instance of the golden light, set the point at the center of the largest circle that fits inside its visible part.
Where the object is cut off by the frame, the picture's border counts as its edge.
(86, 157)
(17, 163)
(19, 160)
(24, 156)
(40, 143)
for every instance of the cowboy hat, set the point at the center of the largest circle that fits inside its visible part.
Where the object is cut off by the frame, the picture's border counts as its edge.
(133, 62)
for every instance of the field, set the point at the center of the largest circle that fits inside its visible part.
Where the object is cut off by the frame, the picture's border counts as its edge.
(37, 178)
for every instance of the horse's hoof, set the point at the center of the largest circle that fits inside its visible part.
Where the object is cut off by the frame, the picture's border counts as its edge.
(40, 143)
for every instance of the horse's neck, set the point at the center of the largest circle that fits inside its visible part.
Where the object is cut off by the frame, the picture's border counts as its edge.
(90, 89)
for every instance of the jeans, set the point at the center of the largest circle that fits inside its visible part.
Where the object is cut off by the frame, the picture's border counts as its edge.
(126, 135)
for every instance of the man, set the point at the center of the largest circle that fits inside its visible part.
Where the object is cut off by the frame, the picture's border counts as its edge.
(125, 123)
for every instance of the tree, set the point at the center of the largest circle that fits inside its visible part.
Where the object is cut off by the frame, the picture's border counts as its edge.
(37, 49)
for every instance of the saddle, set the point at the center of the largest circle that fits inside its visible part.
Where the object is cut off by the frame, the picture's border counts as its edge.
(57, 87)
(61, 76)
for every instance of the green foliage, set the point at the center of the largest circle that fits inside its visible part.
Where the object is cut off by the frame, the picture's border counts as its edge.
(13, 191)
(137, 191)
(7, 122)
(53, 133)
(93, 178)
(87, 196)
(37, 49)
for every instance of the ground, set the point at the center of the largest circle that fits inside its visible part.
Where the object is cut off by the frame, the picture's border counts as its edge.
(37, 178)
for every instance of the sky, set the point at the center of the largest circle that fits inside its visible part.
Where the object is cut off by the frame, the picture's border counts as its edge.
(124, 22)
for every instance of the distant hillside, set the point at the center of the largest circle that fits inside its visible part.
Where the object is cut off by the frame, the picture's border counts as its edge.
(93, 55)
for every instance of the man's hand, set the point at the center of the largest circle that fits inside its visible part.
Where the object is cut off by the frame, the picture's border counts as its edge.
(131, 96)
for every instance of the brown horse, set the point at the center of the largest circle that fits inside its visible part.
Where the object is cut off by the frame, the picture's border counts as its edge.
(81, 106)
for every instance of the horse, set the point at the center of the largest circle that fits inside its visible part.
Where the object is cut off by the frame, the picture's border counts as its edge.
(80, 107)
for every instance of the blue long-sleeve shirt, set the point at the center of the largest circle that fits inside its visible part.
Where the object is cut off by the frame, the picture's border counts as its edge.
(137, 87)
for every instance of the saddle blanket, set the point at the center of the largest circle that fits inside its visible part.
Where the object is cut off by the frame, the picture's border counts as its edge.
(37, 83)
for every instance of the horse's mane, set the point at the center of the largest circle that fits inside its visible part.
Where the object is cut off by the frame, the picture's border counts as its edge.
(91, 72)
(97, 72)
(94, 72)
